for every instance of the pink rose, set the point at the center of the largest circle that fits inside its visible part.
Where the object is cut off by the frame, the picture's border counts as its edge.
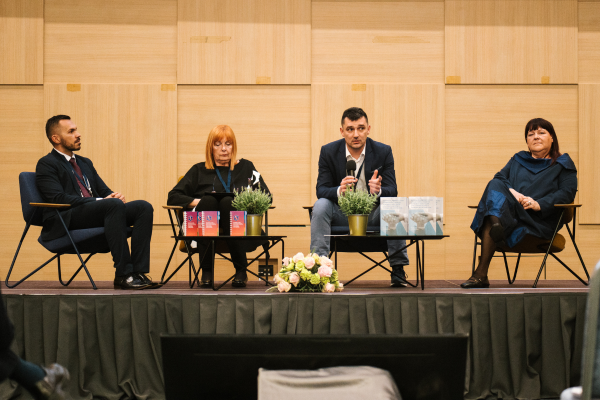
(286, 261)
(329, 288)
(326, 261)
(324, 271)
(283, 286)
(309, 262)
(277, 278)
(340, 287)
(298, 257)
(294, 278)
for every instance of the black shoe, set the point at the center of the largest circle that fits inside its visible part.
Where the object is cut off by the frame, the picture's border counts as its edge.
(130, 281)
(51, 387)
(239, 282)
(476, 283)
(497, 233)
(148, 281)
(240, 279)
(396, 281)
(207, 278)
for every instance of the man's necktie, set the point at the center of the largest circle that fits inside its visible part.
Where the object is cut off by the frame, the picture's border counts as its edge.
(84, 190)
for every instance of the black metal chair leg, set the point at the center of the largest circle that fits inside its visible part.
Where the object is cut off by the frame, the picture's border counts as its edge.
(569, 269)
(577, 250)
(74, 275)
(76, 250)
(548, 251)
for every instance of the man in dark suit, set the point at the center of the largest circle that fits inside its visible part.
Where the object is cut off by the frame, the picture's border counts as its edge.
(375, 162)
(65, 179)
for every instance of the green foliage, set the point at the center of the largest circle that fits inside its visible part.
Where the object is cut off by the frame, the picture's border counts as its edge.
(253, 201)
(354, 202)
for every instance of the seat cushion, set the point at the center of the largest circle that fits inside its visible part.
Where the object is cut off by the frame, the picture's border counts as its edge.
(535, 245)
(91, 240)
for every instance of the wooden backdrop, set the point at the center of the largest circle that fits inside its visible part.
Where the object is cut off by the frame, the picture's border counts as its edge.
(448, 84)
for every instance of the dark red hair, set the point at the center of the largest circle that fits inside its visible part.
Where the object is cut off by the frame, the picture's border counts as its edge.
(537, 123)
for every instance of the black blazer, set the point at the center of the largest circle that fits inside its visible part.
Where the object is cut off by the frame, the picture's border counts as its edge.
(332, 168)
(57, 184)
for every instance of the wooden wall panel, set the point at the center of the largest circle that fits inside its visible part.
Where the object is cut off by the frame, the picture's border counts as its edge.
(272, 127)
(589, 147)
(409, 118)
(589, 41)
(112, 41)
(128, 131)
(244, 41)
(511, 41)
(484, 128)
(368, 41)
(22, 133)
(21, 41)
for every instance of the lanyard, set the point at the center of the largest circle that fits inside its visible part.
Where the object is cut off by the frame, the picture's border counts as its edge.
(228, 185)
(85, 182)
(360, 170)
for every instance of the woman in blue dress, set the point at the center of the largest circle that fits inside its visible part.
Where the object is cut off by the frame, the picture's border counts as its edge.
(520, 199)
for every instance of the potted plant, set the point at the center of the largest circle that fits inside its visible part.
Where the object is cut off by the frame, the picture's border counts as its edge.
(255, 202)
(357, 205)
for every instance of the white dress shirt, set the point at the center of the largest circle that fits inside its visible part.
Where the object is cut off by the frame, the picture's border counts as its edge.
(362, 183)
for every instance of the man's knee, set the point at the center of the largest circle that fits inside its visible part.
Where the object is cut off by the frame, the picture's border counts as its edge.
(322, 207)
(113, 204)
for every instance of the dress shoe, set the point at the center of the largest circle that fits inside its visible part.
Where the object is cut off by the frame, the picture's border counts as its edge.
(130, 281)
(396, 281)
(497, 233)
(51, 387)
(476, 283)
(148, 281)
(207, 278)
(240, 279)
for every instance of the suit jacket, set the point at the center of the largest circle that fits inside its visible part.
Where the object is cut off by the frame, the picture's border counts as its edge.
(332, 168)
(55, 179)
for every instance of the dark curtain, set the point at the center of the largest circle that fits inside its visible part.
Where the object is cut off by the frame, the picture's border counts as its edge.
(522, 346)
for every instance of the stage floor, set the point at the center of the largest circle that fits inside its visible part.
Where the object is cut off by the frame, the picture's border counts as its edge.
(255, 287)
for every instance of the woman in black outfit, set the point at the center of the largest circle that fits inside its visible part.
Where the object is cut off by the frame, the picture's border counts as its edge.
(220, 173)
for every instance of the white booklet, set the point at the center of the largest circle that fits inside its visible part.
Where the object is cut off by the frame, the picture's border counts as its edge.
(393, 216)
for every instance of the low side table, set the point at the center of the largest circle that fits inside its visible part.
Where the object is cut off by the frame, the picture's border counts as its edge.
(350, 244)
(272, 240)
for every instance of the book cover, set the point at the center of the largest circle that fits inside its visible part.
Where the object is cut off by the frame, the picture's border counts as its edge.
(393, 216)
(237, 223)
(421, 216)
(439, 216)
(190, 223)
(210, 223)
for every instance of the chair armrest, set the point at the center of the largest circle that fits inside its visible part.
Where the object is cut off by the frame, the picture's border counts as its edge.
(49, 205)
(271, 207)
(567, 205)
(172, 207)
(474, 207)
(308, 207)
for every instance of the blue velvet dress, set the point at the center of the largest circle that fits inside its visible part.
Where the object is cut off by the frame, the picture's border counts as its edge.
(536, 178)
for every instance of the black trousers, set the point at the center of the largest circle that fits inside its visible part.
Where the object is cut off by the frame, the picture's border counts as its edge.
(116, 216)
(8, 359)
(236, 249)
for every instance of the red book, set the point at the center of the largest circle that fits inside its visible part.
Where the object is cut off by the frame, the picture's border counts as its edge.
(190, 223)
(210, 223)
(237, 224)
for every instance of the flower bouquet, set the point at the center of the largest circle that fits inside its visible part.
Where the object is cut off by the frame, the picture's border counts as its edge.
(307, 274)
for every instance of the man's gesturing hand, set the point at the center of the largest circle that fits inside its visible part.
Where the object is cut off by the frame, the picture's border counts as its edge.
(349, 180)
(375, 183)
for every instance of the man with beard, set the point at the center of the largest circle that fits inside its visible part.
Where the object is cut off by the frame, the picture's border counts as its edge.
(63, 178)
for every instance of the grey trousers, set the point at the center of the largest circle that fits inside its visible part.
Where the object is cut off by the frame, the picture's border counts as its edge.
(327, 214)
